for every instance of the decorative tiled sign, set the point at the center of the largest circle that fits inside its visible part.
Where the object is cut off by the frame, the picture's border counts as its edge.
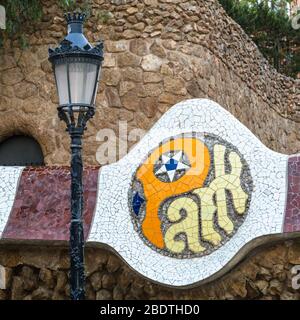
(194, 195)
(190, 195)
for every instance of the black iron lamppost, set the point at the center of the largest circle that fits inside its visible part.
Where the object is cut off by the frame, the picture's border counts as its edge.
(76, 65)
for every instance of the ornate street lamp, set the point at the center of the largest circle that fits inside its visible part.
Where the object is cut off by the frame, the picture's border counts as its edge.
(76, 65)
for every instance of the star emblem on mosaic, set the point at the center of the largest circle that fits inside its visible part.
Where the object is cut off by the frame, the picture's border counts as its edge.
(172, 166)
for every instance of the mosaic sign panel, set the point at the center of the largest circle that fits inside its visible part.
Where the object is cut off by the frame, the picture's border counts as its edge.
(195, 195)
(190, 195)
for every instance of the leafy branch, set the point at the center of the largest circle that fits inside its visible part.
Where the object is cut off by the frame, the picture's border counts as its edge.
(269, 26)
(22, 14)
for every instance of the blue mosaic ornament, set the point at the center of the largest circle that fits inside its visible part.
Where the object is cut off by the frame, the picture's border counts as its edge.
(137, 202)
(171, 164)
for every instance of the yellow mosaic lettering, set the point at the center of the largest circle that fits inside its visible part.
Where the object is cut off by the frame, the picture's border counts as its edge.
(189, 226)
(223, 220)
(208, 209)
(223, 181)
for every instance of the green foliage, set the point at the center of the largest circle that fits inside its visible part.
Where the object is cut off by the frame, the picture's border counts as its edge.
(24, 13)
(18, 14)
(71, 5)
(269, 25)
(68, 4)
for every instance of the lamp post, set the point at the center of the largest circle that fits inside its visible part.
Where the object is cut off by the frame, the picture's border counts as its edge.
(76, 65)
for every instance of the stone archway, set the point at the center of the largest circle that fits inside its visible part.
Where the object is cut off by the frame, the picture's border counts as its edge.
(21, 150)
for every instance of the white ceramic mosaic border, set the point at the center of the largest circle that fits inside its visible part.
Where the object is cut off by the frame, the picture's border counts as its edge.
(9, 178)
(112, 223)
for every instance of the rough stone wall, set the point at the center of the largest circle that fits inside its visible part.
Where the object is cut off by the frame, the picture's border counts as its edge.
(42, 273)
(157, 53)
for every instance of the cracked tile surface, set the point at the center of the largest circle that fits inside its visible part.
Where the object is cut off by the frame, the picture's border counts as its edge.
(41, 210)
(9, 178)
(113, 219)
(292, 216)
(203, 210)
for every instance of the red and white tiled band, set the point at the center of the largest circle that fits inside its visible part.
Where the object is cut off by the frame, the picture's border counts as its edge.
(35, 202)
(292, 209)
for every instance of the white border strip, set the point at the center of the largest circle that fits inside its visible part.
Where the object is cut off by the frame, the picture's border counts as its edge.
(9, 181)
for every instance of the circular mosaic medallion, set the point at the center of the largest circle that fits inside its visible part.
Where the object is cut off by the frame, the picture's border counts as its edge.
(190, 195)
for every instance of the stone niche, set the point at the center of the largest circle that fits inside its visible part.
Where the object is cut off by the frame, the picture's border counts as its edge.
(157, 53)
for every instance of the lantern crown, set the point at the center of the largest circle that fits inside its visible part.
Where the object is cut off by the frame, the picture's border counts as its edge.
(75, 43)
(75, 17)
